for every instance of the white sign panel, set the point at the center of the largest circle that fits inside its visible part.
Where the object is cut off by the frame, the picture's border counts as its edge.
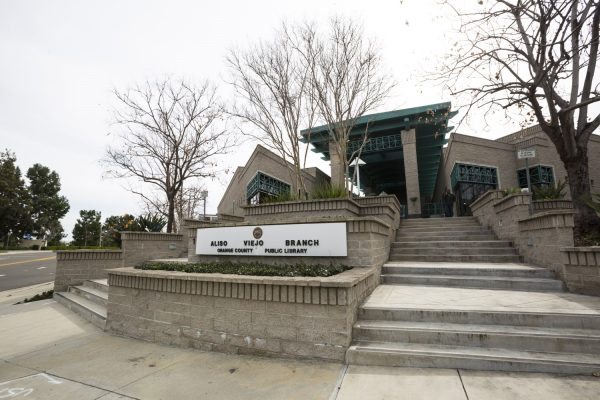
(526, 153)
(304, 240)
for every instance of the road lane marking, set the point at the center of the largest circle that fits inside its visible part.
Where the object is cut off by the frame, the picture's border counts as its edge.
(42, 267)
(2, 275)
(28, 261)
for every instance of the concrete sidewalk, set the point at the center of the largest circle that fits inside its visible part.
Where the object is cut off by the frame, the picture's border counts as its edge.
(46, 352)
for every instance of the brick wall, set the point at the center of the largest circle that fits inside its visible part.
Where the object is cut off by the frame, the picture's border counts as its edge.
(74, 267)
(139, 247)
(582, 269)
(270, 316)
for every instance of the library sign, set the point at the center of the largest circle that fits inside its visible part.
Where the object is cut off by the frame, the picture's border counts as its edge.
(308, 240)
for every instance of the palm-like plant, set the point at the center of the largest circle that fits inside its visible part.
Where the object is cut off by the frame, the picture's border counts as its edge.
(151, 222)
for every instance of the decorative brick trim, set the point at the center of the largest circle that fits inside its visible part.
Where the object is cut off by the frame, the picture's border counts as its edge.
(303, 206)
(582, 256)
(544, 205)
(348, 288)
(150, 236)
(547, 220)
(76, 255)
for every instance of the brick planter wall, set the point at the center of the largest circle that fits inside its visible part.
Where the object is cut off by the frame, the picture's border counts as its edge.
(139, 247)
(74, 267)
(582, 269)
(538, 237)
(272, 316)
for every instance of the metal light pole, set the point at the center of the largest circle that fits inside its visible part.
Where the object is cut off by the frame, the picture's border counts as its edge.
(357, 163)
(203, 196)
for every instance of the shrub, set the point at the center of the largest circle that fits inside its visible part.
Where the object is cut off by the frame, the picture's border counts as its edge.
(510, 191)
(43, 296)
(328, 191)
(280, 198)
(254, 269)
(594, 203)
(151, 222)
(550, 192)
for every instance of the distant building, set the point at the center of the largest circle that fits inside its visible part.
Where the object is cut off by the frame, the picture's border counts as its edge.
(411, 154)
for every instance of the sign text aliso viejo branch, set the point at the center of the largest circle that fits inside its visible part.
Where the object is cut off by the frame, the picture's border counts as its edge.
(314, 240)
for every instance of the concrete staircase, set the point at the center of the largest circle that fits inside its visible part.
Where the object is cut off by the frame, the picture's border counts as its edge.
(455, 297)
(88, 300)
(449, 239)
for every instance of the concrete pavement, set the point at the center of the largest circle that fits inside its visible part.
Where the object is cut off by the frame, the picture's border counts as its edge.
(48, 352)
(26, 268)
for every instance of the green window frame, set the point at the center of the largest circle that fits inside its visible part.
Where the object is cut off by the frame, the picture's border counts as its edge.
(264, 185)
(540, 175)
(471, 173)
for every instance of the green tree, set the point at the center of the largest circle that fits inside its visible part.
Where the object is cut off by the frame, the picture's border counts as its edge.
(87, 229)
(56, 234)
(14, 202)
(114, 225)
(47, 206)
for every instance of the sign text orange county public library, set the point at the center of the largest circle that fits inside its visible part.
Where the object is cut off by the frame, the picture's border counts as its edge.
(312, 240)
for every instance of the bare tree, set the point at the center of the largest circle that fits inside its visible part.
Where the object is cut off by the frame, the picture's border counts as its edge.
(539, 56)
(171, 134)
(187, 204)
(270, 80)
(346, 82)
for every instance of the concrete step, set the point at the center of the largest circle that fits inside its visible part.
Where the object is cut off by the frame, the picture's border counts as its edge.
(99, 284)
(477, 269)
(483, 317)
(452, 244)
(440, 228)
(484, 282)
(459, 251)
(439, 221)
(491, 258)
(403, 237)
(87, 309)
(99, 297)
(456, 357)
(545, 339)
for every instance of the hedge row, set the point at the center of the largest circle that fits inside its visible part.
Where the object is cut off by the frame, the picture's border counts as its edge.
(254, 269)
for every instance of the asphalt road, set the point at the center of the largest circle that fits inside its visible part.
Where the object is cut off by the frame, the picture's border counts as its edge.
(25, 269)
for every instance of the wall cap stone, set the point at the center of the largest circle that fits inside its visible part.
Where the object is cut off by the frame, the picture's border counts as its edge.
(586, 249)
(151, 236)
(346, 279)
(73, 255)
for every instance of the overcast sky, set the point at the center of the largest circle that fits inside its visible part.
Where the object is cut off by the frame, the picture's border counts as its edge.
(62, 59)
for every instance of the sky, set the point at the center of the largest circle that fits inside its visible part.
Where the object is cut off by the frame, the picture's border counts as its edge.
(61, 61)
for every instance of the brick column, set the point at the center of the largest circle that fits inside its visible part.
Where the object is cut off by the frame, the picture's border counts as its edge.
(411, 172)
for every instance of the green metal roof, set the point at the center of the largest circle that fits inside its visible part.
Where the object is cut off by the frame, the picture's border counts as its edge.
(383, 152)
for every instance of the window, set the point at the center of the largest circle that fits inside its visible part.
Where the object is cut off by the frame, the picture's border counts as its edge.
(263, 186)
(469, 182)
(540, 175)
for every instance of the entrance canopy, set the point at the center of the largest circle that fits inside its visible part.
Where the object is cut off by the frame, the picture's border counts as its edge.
(384, 153)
